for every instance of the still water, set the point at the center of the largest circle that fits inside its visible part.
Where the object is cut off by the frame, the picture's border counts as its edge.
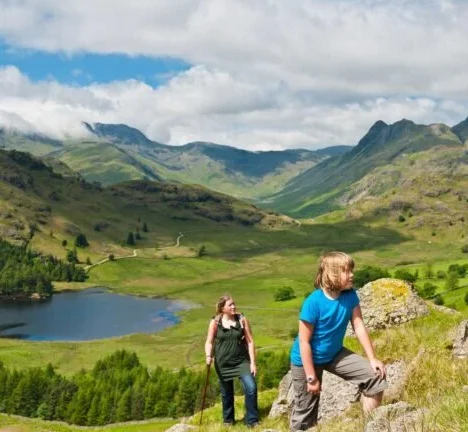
(85, 315)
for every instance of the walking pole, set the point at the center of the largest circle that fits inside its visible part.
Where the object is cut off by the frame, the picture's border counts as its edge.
(204, 392)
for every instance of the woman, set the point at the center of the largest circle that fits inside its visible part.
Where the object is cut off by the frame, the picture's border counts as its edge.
(234, 357)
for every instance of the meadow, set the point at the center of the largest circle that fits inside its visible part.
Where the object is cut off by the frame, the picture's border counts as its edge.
(251, 265)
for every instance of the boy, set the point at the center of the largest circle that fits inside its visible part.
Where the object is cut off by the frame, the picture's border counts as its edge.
(319, 346)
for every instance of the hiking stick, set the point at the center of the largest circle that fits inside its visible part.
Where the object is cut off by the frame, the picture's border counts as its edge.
(204, 392)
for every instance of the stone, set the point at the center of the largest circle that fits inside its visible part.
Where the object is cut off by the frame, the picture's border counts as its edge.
(460, 345)
(337, 395)
(283, 402)
(388, 302)
(397, 417)
(181, 427)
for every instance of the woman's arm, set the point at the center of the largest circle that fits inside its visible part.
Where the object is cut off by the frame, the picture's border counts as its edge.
(365, 340)
(250, 345)
(209, 341)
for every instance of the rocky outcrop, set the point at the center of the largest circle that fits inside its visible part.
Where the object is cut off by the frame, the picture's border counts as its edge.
(389, 302)
(337, 395)
(460, 345)
(398, 417)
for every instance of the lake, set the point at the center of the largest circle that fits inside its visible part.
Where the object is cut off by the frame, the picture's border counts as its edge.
(85, 315)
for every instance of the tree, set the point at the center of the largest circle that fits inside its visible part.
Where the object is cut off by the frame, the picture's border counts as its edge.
(369, 274)
(72, 256)
(464, 248)
(451, 282)
(428, 290)
(429, 272)
(202, 251)
(64, 243)
(284, 293)
(88, 261)
(404, 274)
(81, 241)
(145, 227)
(130, 239)
(466, 298)
(438, 300)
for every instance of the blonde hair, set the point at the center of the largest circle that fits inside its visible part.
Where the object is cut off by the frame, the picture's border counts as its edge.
(331, 264)
(221, 302)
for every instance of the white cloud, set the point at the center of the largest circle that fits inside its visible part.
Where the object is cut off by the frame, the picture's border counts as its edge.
(270, 74)
(204, 104)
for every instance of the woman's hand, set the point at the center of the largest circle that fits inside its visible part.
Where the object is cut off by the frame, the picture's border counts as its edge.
(378, 367)
(209, 360)
(253, 369)
(314, 388)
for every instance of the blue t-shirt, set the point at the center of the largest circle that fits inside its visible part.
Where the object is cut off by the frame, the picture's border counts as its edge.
(330, 319)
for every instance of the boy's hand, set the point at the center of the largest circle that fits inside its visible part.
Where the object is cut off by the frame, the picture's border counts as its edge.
(314, 388)
(378, 367)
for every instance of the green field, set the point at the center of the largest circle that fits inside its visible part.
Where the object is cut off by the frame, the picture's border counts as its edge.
(251, 265)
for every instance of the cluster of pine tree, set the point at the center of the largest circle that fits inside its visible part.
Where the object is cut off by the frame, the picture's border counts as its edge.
(23, 272)
(118, 389)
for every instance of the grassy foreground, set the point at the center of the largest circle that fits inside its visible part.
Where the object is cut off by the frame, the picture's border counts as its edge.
(252, 268)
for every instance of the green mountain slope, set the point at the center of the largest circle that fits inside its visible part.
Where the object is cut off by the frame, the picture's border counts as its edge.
(32, 143)
(117, 152)
(422, 194)
(104, 162)
(319, 189)
(37, 203)
(461, 130)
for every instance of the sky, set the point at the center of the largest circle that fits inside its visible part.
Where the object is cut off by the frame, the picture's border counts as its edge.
(254, 74)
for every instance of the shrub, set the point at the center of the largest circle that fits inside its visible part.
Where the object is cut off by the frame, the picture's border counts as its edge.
(404, 274)
(451, 282)
(464, 248)
(202, 251)
(284, 293)
(438, 300)
(111, 257)
(428, 271)
(459, 269)
(441, 274)
(369, 274)
(401, 218)
(466, 298)
(81, 241)
(428, 290)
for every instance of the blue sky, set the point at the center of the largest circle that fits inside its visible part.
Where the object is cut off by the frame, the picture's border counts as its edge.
(84, 68)
(258, 75)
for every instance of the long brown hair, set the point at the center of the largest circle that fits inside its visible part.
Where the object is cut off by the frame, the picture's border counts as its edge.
(221, 302)
(331, 264)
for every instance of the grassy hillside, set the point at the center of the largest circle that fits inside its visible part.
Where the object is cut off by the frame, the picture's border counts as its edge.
(116, 153)
(37, 203)
(321, 189)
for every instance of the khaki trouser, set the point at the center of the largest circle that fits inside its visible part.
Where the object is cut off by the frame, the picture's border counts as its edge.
(347, 365)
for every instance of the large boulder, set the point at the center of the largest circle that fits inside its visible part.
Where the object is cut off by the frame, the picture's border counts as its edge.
(460, 345)
(337, 395)
(389, 302)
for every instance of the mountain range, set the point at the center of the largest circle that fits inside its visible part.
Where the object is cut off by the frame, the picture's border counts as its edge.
(405, 159)
(116, 152)
(329, 185)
